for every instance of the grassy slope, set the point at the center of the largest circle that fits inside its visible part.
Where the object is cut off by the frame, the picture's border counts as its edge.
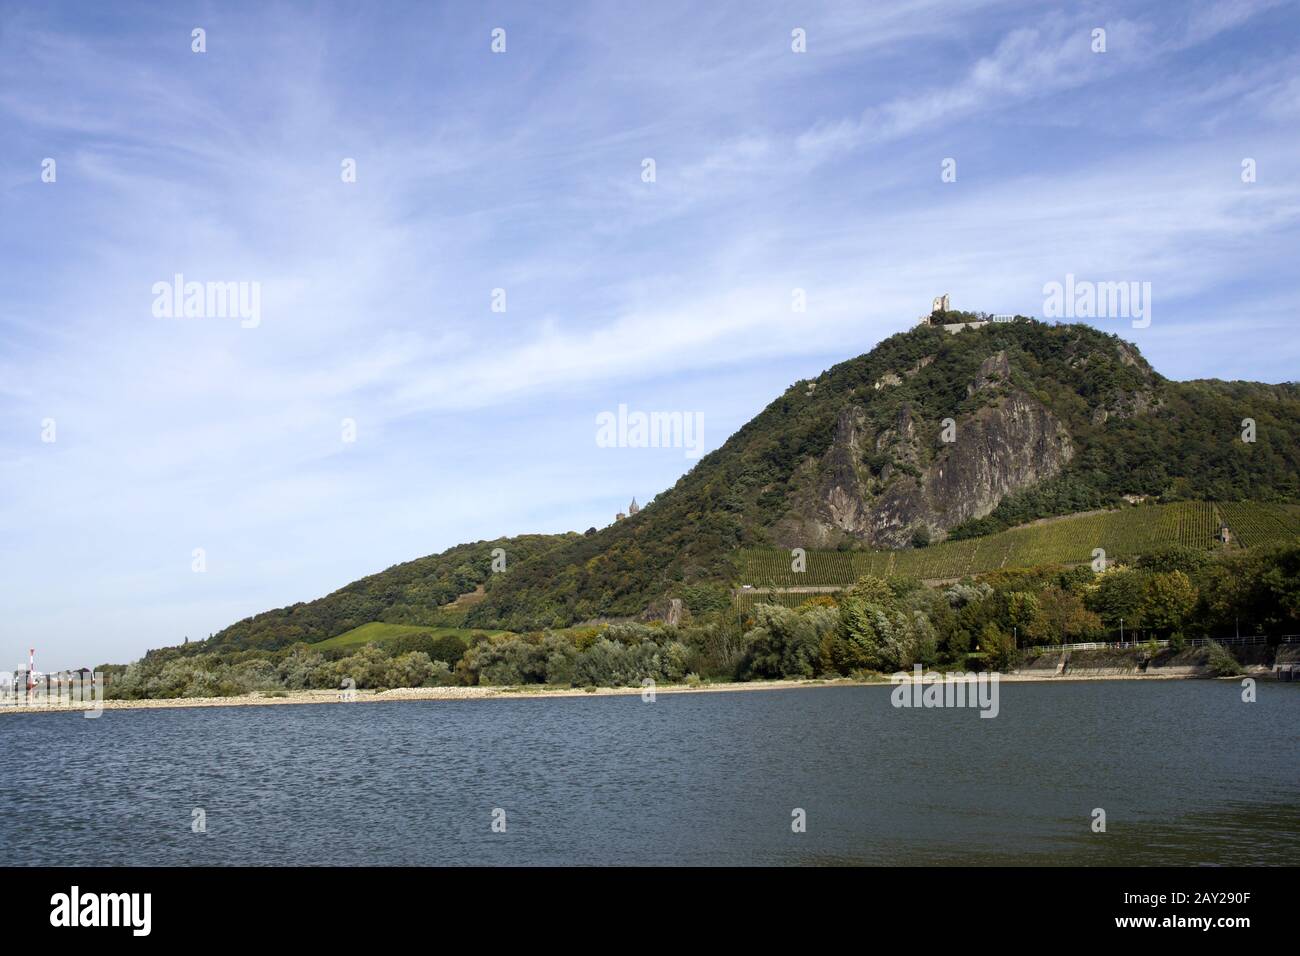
(378, 633)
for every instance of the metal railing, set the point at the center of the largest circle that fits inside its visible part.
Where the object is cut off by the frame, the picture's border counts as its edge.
(1098, 645)
(1192, 642)
(1244, 639)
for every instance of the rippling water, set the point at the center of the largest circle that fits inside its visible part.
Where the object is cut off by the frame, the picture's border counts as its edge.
(1185, 771)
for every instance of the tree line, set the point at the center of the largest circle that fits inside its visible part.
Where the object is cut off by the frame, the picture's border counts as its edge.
(875, 627)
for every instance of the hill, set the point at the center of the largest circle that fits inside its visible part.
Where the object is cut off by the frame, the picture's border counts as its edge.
(928, 437)
(423, 592)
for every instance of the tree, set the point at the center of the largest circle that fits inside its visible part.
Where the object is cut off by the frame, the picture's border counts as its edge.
(1118, 595)
(877, 633)
(864, 623)
(1061, 617)
(1021, 612)
(1174, 557)
(1168, 602)
(997, 645)
(787, 643)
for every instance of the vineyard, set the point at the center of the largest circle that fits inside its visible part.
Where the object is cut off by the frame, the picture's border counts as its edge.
(1124, 533)
(1253, 524)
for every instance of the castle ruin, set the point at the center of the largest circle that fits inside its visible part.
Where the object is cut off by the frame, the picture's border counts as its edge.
(942, 306)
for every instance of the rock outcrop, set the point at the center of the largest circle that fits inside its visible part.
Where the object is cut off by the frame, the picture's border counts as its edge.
(884, 486)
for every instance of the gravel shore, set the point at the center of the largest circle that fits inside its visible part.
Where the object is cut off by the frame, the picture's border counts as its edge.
(528, 691)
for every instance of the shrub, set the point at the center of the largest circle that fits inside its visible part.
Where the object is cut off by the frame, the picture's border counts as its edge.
(603, 664)
(1221, 661)
(301, 668)
(561, 659)
(506, 660)
(368, 667)
(412, 669)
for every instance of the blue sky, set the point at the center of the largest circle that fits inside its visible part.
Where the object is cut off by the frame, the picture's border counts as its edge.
(522, 170)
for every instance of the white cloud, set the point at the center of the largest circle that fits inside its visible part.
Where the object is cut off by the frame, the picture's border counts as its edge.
(774, 172)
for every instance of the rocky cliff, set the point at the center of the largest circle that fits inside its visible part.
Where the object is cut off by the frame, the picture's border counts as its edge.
(885, 486)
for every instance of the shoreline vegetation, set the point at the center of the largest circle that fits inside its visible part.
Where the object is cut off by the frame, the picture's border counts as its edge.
(538, 691)
(1001, 622)
(1048, 622)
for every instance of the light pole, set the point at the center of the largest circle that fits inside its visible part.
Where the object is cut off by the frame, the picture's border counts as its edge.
(1121, 632)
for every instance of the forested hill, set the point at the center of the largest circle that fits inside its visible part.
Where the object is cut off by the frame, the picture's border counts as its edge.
(404, 594)
(930, 435)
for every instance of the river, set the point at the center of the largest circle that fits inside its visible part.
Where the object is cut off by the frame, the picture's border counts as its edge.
(1185, 772)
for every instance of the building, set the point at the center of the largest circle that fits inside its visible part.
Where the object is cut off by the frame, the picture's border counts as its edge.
(633, 508)
(941, 304)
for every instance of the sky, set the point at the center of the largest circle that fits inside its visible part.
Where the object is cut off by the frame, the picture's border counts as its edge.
(385, 181)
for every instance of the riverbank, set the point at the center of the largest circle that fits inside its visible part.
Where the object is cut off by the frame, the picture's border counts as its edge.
(534, 691)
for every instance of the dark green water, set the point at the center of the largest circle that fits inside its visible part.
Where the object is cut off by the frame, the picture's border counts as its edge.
(1186, 772)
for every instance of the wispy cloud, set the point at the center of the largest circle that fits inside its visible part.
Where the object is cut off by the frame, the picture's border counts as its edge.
(775, 171)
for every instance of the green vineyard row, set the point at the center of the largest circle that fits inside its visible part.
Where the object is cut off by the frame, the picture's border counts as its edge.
(1256, 524)
(1122, 534)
